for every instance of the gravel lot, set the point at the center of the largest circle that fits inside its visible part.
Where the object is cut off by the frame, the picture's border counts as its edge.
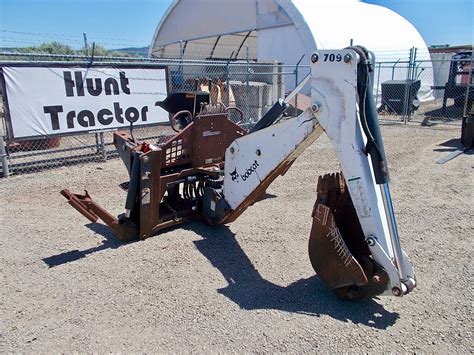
(248, 286)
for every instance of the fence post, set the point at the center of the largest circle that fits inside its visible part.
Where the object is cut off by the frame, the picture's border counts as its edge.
(103, 150)
(296, 82)
(393, 68)
(4, 157)
(227, 81)
(97, 143)
(406, 109)
(412, 79)
(468, 87)
(247, 87)
(377, 86)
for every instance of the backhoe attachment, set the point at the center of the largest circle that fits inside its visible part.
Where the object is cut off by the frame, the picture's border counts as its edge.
(213, 169)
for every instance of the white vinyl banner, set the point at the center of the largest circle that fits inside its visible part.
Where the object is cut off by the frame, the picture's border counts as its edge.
(45, 101)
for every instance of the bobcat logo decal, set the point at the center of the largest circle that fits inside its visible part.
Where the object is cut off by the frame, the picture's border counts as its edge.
(235, 175)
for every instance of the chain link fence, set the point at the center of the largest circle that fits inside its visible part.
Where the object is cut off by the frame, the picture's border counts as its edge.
(424, 91)
(252, 87)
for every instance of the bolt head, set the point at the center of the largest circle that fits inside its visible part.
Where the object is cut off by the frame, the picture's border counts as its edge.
(258, 152)
(232, 150)
(348, 58)
(314, 57)
(396, 291)
(371, 241)
(315, 107)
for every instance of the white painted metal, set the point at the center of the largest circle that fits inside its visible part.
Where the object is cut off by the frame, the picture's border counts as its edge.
(333, 87)
(251, 158)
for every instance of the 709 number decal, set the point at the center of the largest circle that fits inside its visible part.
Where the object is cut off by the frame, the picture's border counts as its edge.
(331, 57)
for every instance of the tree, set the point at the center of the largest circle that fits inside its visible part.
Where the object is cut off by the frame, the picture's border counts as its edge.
(50, 48)
(100, 51)
(64, 49)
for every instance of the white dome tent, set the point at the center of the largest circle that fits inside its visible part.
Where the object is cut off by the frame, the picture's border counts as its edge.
(284, 30)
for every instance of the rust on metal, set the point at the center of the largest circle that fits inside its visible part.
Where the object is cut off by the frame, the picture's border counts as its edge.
(195, 151)
(329, 254)
(337, 248)
(81, 203)
(92, 211)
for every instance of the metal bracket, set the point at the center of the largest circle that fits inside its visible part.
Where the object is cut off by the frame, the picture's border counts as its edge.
(396, 285)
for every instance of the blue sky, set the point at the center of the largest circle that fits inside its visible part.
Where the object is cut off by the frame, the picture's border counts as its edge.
(125, 23)
(438, 21)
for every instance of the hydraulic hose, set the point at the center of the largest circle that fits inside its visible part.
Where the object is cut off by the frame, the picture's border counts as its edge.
(368, 117)
(271, 116)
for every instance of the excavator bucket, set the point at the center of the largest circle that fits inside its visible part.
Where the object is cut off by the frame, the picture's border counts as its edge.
(337, 249)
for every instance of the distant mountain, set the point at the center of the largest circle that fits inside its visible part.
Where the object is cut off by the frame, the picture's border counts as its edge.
(7, 49)
(135, 51)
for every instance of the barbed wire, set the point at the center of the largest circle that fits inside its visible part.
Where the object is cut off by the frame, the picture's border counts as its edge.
(76, 39)
(38, 34)
(17, 40)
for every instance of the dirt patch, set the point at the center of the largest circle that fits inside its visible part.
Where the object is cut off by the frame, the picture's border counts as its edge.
(248, 286)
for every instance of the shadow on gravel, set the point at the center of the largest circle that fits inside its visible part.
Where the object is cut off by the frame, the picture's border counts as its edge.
(110, 242)
(246, 286)
(250, 291)
(449, 113)
(452, 145)
(449, 146)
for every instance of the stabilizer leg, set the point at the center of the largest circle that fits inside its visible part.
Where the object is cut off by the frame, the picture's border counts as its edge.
(124, 231)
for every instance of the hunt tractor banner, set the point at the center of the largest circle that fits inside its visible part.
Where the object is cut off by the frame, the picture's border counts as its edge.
(59, 100)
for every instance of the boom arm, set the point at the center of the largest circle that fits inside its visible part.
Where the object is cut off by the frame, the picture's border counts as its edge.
(253, 159)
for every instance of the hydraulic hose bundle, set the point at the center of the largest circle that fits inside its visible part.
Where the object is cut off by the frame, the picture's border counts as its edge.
(368, 117)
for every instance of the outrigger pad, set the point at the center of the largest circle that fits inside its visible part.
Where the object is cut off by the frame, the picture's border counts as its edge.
(337, 247)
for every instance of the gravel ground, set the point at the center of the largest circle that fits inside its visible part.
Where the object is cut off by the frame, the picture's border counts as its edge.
(247, 286)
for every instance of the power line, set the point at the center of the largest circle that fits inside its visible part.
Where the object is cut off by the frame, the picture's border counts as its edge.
(37, 34)
(69, 42)
(17, 40)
